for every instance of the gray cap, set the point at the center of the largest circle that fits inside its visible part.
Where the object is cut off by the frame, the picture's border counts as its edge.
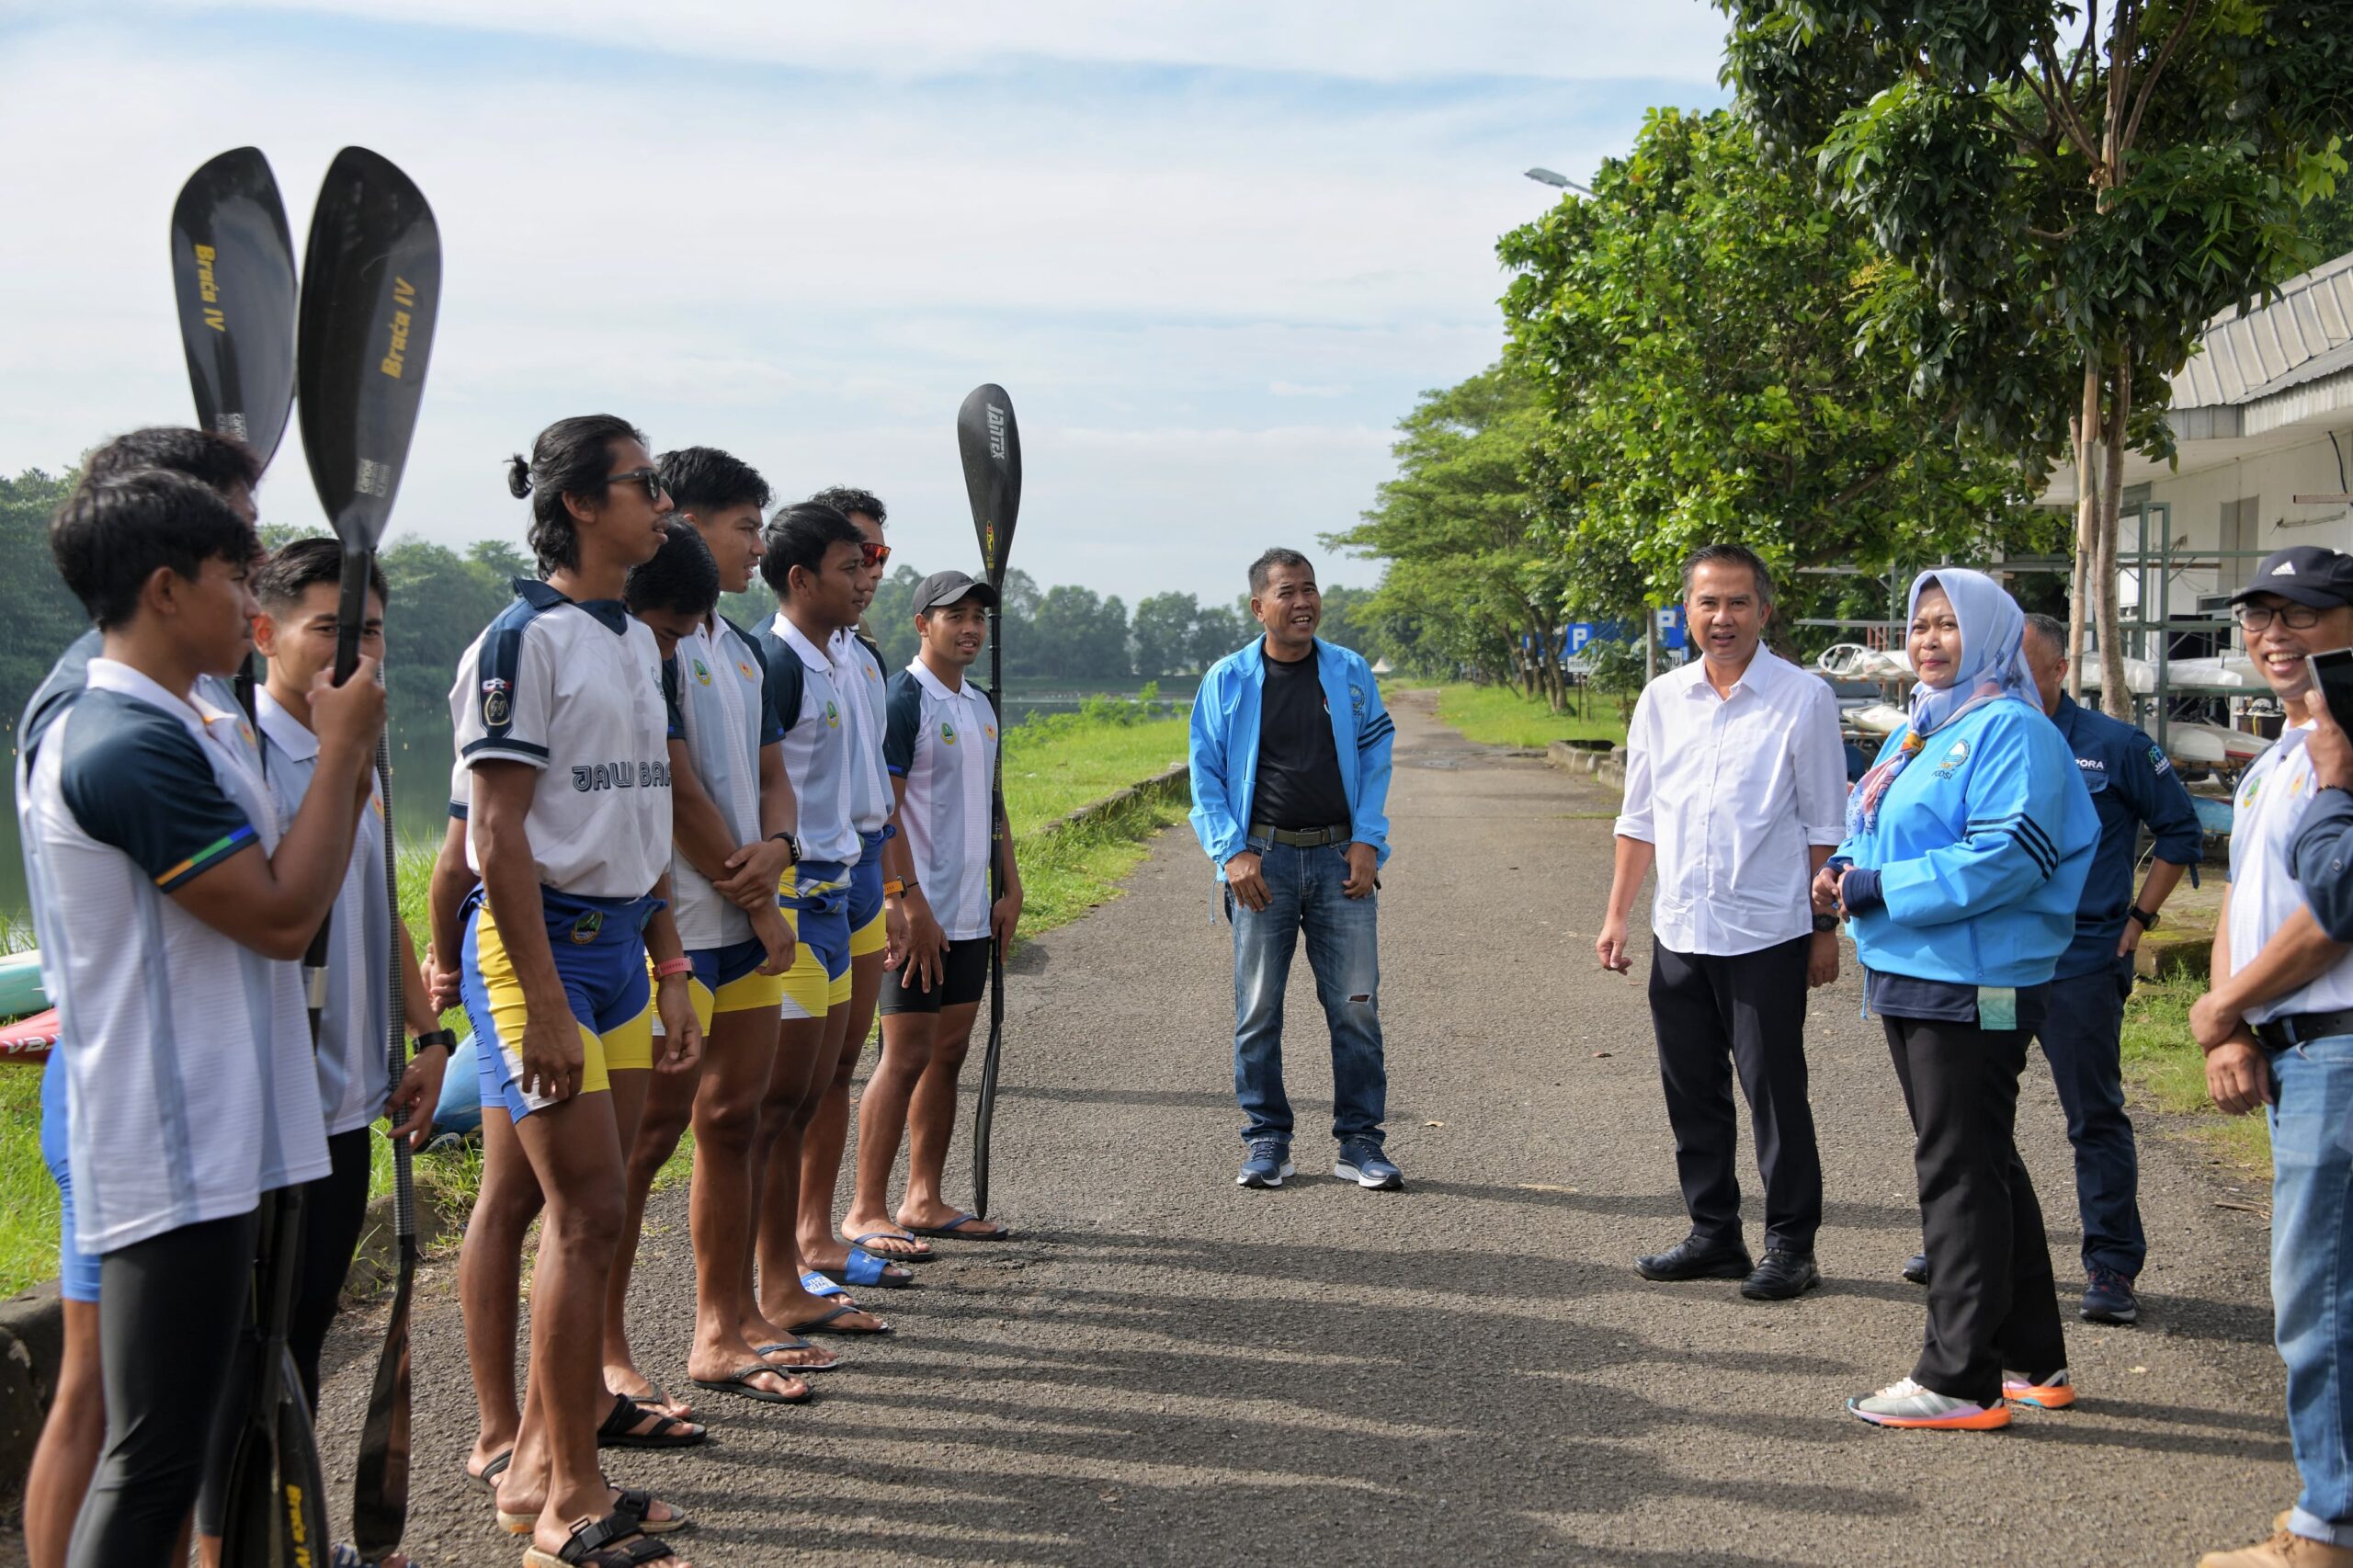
(946, 587)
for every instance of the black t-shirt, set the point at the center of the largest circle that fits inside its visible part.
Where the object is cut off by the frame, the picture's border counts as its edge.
(1298, 767)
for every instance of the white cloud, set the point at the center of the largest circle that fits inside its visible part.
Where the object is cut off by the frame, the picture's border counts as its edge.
(811, 265)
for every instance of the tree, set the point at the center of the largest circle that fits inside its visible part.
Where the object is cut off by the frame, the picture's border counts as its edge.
(1218, 630)
(39, 615)
(1077, 635)
(1701, 383)
(1163, 634)
(2068, 192)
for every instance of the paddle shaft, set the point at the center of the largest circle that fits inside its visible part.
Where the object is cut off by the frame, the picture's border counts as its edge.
(985, 1112)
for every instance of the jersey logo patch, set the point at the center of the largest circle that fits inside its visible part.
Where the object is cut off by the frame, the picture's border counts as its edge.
(702, 672)
(946, 734)
(497, 706)
(832, 715)
(584, 929)
(1953, 759)
(746, 671)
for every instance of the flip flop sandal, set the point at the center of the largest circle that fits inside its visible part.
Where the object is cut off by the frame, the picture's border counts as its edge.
(798, 1368)
(817, 1284)
(955, 1229)
(613, 1541)
(864, 1269)
(826, 1323)
(487, 1481)
(893, 1236)
(739, 1383)
(634, 1503)
(620, 1428)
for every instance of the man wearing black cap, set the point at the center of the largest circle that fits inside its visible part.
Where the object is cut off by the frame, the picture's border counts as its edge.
(940, 742)
(2277, 1029)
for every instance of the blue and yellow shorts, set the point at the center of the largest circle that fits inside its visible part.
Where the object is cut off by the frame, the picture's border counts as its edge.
(599, 948)
(817, 905)
(866, 895)
(728, 980)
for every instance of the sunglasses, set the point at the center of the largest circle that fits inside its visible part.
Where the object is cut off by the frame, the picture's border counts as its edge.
(874, 554)
(649, 477)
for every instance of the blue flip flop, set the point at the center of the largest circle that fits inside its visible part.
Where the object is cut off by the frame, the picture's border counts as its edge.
(817, 1284)
(864, 1269)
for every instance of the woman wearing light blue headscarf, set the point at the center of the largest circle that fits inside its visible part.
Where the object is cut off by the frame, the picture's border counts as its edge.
(1966, 848)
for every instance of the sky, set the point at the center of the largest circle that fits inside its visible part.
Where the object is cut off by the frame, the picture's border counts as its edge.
(1214, 250)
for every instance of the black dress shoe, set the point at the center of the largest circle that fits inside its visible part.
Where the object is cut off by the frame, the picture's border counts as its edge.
(1916, 1269)
(1692, 1259)
(1781, 1277)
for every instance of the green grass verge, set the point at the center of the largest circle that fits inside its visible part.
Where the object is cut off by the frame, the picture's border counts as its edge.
(1498, 716)
(2167, 1071)
(1052, 766)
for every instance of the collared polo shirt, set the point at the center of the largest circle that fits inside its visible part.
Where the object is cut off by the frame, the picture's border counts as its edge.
(2272, 798)
(1731, 792)
(858, 673)
(943, 742)
(817, 756)
(719, 693)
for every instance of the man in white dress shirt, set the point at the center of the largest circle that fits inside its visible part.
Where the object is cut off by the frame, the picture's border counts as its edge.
(1735, 790)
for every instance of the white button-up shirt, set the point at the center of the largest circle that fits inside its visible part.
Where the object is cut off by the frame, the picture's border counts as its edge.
(2272, 798)
(1732, 792)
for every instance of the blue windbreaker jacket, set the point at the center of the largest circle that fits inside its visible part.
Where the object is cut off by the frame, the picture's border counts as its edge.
(1981, 846)
(1224, 747)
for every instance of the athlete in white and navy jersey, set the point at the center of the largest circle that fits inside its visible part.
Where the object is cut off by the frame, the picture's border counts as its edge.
(941, 750)
(559, 714)
(150, 838)
(815, 560)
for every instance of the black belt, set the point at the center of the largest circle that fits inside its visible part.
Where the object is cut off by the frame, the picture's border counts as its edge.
(2299, 1028)
(1303, 838)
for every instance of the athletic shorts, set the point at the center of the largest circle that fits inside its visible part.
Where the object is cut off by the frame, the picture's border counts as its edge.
(866, 896)
(964, 980)
(77, 1271)
(818, 911)
(599, 948)
(728, 980)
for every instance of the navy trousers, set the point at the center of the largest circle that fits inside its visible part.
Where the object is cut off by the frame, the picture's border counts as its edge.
(2080, 1038)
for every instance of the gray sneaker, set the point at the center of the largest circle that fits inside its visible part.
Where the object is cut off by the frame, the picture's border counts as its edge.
(1906, 1404)
(1364, 1163)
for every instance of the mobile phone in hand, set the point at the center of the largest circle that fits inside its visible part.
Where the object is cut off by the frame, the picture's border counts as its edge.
(2333, 674)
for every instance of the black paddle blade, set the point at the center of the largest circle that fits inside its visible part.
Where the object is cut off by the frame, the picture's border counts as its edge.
(990, 443)
(302, 1522)
(372, 286)
(379, 1482)
(233, 279)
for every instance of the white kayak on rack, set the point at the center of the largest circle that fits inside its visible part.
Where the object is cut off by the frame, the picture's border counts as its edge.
(2139, 676)
(2232, 671)
(1879, 718)
(1852, 661)
(2213, 746)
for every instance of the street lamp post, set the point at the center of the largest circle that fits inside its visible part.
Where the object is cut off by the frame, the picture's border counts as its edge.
(1561, 181)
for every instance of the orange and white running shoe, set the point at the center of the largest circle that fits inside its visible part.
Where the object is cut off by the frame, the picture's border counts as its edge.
(2054, 1393)
(1906, 1404)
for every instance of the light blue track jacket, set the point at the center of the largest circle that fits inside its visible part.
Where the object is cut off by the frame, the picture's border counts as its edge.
(1981, 846)
(1224, 749)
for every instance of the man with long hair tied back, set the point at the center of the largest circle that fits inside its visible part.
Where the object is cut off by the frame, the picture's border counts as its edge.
(1967, 846)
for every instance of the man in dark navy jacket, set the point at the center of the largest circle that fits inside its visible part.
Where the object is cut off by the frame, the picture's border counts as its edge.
(2131, 784)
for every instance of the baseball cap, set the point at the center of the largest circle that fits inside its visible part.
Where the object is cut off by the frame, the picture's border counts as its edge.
(946, 587)
(2305, 574)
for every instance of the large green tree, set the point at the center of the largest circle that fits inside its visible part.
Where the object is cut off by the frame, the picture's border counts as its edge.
(2069, 191)
(38, 616)
(1688, 330)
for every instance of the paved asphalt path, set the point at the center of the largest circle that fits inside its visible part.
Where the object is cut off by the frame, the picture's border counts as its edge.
(1166, 1369)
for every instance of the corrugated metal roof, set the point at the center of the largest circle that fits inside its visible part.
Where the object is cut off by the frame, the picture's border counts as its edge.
(2298, 336)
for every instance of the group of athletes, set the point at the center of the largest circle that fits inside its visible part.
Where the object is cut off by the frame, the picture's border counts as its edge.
(686, 863)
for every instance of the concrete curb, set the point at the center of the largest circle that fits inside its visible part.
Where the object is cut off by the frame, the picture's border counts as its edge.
(1175, 780)
(1606, 766)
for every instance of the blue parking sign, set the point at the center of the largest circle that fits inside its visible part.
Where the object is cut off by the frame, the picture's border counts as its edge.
(1670, 627)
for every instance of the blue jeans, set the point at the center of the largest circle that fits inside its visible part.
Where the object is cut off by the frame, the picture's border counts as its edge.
(2081, 1039)
(2311, 1274)
(1343, 948)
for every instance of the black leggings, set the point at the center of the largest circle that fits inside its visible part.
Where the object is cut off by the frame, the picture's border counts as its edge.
(170, 1313)
(334, 1208)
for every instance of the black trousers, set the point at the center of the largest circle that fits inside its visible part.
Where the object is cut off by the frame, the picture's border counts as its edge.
(1992, 1304)
(1716, 1016)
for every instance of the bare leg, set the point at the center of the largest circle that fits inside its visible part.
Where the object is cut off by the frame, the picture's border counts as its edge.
(883, 1116)
(70, 1441)
(490, 1280)
(649, 1109)
(821, 1154)
(931, 1122)
(781, 1300)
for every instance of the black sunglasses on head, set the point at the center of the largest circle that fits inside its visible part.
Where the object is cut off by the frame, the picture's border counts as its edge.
(649, 477)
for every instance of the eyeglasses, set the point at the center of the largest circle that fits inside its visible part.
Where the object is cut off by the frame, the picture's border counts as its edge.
(875, 555)
(649, 477)
(2295, 618)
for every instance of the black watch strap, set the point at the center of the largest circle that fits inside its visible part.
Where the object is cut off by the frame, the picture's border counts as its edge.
(1824, 924)
(446, 1038)
(2148, 921)
(792, 844)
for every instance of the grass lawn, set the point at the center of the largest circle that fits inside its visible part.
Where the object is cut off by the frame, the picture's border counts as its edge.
(2165, 1065)
(1498, 716)
(1051, 767)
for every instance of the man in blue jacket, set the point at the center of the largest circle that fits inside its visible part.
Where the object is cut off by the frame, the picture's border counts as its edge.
(2131, 784)
(1289, 758)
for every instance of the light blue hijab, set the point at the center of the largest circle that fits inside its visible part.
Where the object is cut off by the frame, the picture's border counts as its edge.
(1993, 667)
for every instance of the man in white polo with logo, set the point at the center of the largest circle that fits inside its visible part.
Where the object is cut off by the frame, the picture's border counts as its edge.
(1735, 791)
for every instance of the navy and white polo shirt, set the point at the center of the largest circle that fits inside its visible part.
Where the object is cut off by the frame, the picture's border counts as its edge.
(574, 691)
(817, 759)
(190, 1088)
(858, 673)
(354, 1071)
(719, 693)
(943, 742)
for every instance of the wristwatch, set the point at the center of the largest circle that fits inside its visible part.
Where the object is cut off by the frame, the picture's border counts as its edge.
(1824, 924)
(446, 1038)
(2148, 921)
(792, 844)
(894, 888)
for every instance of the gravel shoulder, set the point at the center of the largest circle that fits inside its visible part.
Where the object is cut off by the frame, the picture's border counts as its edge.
(1166, 1369)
